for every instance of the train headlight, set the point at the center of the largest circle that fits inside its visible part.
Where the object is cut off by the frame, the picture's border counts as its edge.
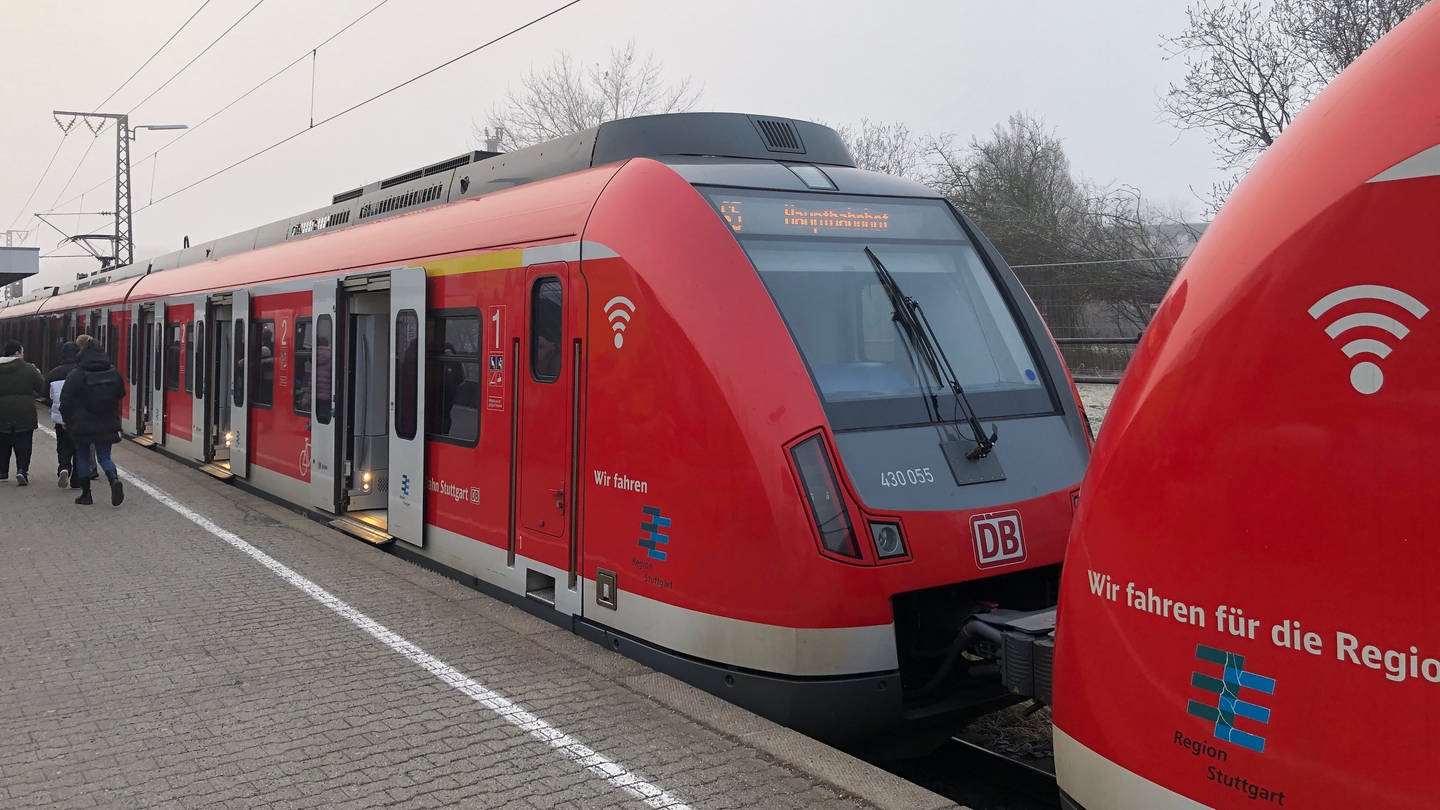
(827, 506)
(365, 479)
(889, 542)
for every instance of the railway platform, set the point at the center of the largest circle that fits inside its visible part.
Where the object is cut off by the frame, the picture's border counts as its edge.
(201, 646)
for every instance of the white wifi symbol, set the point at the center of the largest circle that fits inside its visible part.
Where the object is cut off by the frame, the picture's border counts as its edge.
(618, 310)
(1365, 377)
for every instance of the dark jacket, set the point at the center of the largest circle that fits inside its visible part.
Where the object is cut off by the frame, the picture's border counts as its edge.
(90, 400)
(55, 380)
(20, 384)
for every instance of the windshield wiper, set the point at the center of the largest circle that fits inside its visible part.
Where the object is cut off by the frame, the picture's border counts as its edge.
(916, 328)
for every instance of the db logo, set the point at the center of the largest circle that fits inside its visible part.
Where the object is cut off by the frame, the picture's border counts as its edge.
(998, 539)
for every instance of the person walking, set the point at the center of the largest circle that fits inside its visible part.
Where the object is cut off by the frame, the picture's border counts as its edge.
(90, 407)
(64, 447)
(20, 385)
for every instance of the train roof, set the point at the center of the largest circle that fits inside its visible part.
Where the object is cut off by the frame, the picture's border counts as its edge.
(693, 142)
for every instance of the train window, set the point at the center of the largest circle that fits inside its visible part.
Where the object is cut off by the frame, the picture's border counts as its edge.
(134, 347)
(112, 344)
(237, 380)
(545, 329)
(262, 390)
(833, 271)
(304, 354)
(188, 331)
(198, 359)
(407, 372)
(159, 346)
(452, 378)
(324, 368)
(172, 357)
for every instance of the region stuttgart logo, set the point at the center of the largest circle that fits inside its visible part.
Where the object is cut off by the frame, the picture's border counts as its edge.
(1228, 705)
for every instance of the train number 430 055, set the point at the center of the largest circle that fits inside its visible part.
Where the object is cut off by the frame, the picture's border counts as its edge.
(907, 478)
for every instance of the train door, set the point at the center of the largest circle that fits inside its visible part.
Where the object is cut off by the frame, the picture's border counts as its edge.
(239, 405)
(195, 376)
(117, 320)
(324, 491)
(177, 384)
(545, 497)
(406, 502)
(217, 364)
(157, 375)
(144, 315)
(359, 407)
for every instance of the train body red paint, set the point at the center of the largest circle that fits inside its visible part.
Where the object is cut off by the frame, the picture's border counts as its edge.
(1247, 613)
(706, 393)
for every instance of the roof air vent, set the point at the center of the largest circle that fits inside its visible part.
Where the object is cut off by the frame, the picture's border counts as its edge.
(779, 135)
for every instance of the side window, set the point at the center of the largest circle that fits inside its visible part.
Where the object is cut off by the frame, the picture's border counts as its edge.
(238, 378)
(198, 359)
(189, 332)
(304, 355)
(545, 329)
(158, 343)
(452, 378)
(172, 357)
(134, 351)
(407, 372)
(324, 370)
(262, 391)
(112, 344)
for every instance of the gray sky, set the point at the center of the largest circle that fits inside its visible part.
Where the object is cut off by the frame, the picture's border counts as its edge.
(1093, 71)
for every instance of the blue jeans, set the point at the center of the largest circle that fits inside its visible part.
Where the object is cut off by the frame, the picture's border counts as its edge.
(102, 455)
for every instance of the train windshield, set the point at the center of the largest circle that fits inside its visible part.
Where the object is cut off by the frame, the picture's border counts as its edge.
(810, 253)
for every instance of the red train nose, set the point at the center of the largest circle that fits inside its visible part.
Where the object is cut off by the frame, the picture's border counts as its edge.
(1247, 608)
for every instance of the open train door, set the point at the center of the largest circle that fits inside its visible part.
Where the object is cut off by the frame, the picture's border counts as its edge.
(131, 416)
(407, 406)
(324, 457)
(200, 431)
(239, 379)
(157, 374)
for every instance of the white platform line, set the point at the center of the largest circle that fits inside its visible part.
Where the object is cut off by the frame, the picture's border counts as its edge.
(607, 769)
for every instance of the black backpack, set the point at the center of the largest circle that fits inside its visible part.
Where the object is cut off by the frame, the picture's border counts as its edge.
(102, 392)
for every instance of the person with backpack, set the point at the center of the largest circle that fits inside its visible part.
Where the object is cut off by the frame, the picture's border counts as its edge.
(90, 407)
(64, 447)
(20, 384)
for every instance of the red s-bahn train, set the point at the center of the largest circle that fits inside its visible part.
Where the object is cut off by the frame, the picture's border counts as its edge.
(691, 385)
(1249, 613)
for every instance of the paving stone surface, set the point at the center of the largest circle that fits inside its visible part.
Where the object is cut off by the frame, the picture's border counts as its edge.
(146, 663)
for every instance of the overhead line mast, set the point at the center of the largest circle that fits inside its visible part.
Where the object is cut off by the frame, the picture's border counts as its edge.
(124, 238)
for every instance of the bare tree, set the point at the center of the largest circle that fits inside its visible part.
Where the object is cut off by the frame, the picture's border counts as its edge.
(1252, 65)
(568, 97)
(1244, 81)
(1093, 258)
(886, 147)
(1333, 33)
(1018, 186)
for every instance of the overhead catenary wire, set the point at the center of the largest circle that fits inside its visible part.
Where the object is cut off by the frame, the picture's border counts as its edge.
(162, 47)
(21, 215)
(373, 98)
(197, 56)
(113, 93)
(212, 116)
(79, 164)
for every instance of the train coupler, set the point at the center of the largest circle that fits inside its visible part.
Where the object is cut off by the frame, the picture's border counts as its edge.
(1025, 643)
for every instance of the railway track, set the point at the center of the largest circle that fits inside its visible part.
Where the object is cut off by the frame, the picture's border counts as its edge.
(976, 777)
